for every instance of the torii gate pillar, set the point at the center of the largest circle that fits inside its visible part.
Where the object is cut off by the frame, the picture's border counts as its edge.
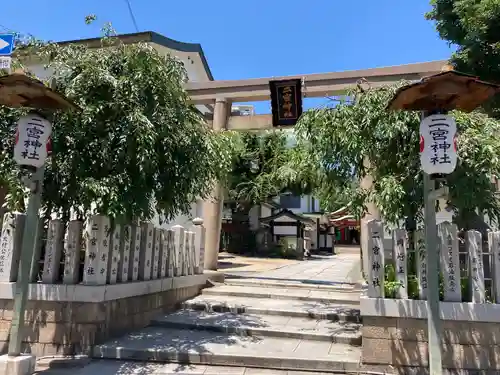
(212, 207)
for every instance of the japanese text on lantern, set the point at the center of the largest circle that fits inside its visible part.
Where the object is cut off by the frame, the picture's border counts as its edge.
(32, 141)
(438, 153)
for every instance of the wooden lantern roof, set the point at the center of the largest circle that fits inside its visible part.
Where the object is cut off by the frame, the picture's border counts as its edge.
(18, 90)
(444, 91)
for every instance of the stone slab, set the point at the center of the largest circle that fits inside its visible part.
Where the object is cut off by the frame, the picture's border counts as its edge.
(458, 311)
(283, 293)
(101, 293)
(263, 325)
(203, 347)
(268, 306)
(266, 282)
(20, 365)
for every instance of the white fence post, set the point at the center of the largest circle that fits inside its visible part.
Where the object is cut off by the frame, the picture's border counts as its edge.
(375, 254)
(163, 253)
(193, 268)
(400, 256)
(450, 264)
(72, 249)
(199, 244)
(474, 244)
(171, 252)
(10, 245)
(135, 252)
(178, 249)
(53, 251)
(116, 239)
(97, 250)
(494, 249)
(421, 259)
(146, 254)
(187, 251)
(156, 253)
(124, 259)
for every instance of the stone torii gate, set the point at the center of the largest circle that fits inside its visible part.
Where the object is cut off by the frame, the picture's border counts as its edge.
(222, 94)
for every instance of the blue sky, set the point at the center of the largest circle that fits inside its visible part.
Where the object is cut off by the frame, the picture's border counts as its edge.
(257, 38)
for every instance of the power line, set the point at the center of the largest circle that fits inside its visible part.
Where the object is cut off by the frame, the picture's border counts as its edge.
(132, 15)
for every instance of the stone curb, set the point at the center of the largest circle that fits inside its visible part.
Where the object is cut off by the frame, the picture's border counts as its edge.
(268, 362)
(354, 340)
(353, 315)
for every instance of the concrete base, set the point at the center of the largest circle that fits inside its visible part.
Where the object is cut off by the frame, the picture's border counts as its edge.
(215, 276)
(20, 365)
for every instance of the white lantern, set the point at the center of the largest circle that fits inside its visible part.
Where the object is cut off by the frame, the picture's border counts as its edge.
(32, 140)
(438, 146)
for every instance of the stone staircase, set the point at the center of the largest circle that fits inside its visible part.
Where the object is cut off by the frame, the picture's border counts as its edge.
(254, 323)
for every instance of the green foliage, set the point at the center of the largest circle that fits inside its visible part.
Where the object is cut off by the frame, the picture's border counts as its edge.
(136, 148)
(336, 142)
(261, 167)
(472, 25)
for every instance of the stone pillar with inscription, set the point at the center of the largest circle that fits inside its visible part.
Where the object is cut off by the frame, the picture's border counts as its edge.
(53, 251)
(450, 264)
(171, 253)
(376, 272)
(114, 260)
(192, 254)
(187, 250)
(163, 253)
(178, 249)
(97, 238)
(146, 254)
(72, 249)
(474, 244)
(199, 243)
(135, 252)
(494, 249)
(156, 254)
(421, 258)
(124, 260)
(400, 256)
(10, 245)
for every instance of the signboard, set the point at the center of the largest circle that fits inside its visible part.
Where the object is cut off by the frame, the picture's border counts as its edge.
(6, 44)
(286, 101)
(438, 147)
(6, 47)
(5, 62)
(32, 144)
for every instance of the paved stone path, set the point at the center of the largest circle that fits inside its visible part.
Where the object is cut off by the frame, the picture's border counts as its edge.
(335, 269)
(300, 316)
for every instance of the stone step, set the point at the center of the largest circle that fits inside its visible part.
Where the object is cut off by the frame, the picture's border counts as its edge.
(269, 282)
(114, 367)
(263, 325)
(279, 307)
(282, 293)
(156, 344)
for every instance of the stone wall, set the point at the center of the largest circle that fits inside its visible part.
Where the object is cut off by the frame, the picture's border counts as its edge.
(67, 327)
(403, 342)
